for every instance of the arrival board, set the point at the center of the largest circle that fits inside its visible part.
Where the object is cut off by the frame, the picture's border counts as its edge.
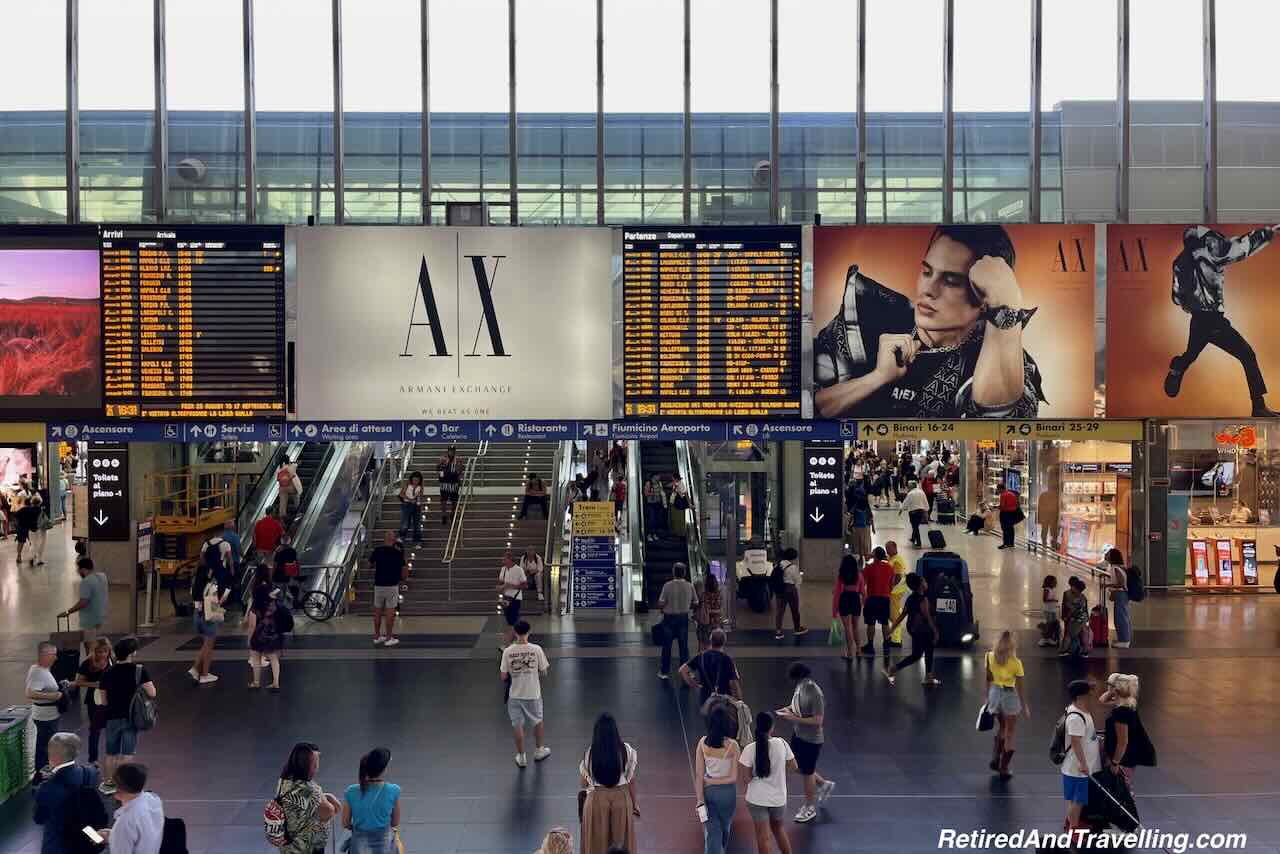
(193, 321)
(711, 322)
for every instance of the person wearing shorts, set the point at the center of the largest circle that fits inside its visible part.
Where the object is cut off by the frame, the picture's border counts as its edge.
(765, 777)
(118, 685)
(805, 715)
(390, 570)
(511, 584)
(523, 665)
(1083, 757)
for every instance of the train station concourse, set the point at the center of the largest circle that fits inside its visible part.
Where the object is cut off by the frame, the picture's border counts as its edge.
(605, 426)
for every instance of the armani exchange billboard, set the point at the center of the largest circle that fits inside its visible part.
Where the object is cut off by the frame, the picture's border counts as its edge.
(397, 323)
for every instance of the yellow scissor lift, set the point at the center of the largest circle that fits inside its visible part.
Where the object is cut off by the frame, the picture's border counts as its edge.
(188, 507)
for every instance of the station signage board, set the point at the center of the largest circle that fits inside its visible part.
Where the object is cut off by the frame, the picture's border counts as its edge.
(1076, 430)
(108, 488)
(823, 490)
(957, 429)
(595, 576)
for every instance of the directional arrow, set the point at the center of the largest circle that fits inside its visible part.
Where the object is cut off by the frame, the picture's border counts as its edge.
(56, 432)
(195, 430)
(817, 516)
(413, 429)
(586, 429)
(297, 431)
(101, 519)
(1009, 429)
(737, 429)
(868, 430)
(491, 430)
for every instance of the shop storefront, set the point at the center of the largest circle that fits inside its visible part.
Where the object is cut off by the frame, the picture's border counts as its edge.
(1081, 498)
(1223, 504)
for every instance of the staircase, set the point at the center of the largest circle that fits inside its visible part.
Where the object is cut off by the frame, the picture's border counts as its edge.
(659, 555)
(489, 528)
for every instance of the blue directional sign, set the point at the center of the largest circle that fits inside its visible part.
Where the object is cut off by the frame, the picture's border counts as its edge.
(595, 577)
(670, 431)
(232, 431)
(782, 431)
(442, 431)
(116, 431)
(524, 431)
(345, 431)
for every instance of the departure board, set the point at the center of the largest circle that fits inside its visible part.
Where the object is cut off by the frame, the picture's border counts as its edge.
(193, 321)
(711, 322)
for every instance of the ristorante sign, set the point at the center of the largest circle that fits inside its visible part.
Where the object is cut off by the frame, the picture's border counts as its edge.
(471, 323)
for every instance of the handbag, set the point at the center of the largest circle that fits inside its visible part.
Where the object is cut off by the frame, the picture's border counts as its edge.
(835, 637)
(658, 633)
(986, 721)
(213, 610)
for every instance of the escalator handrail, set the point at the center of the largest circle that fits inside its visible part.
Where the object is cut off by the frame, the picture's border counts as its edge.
(555, 533)
(635, 512)
(309, 510)
(465, 490)
(697, 551)
(264, 492)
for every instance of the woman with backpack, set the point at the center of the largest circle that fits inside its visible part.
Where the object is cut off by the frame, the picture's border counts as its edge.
(1005, 700)
(1126, 744)
(371, 808)
(265, 636)
(210, 589)
(297, 818)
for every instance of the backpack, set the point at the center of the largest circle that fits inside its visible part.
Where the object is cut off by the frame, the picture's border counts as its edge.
(142, 708)
(84, 809)
(212, 554)
(1134, 585)
(778, 580)
(283, 619)
(173, 839)
(275, 823)
(1058, 747)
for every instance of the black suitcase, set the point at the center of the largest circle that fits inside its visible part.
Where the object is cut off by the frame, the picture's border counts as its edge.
(68, 644)
(946, 511)
(936, 539)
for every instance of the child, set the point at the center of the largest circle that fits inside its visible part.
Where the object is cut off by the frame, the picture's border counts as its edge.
(1050, 629)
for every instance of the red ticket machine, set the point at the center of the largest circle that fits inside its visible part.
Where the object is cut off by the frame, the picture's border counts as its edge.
(1224, 563)
(1200, 561)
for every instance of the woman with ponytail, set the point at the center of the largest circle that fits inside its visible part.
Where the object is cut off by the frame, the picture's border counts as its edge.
(371, 808)
(764, 772)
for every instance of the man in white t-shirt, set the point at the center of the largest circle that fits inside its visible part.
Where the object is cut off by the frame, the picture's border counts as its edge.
(1083, 758)
(523, 665)
(43, 693)
(511, 584)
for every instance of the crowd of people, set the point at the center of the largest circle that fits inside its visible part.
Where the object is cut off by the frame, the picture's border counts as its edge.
(25, 512)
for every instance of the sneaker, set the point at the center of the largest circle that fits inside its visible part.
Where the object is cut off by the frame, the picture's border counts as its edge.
(195, 677)
(664, 677)
(807, 813)
(207, 679)
(379, 640)
(106, 789)
(778, 635)
(391, 642)
(521, 761)
(1044, 642)
(825, 790)
(892, 679)
(803, 630)
(868, 650)
(541, 753)
(1120, 644)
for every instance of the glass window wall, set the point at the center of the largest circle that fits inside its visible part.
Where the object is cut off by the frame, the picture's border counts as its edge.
(904, 110)
(644, 111)
(817, 95)
(293, 61)
(204, 75)
(1248, 113)
(382, 111)
(470, 106)
(556, 102)
(1080, 147)
(33, 130)
(117, 112)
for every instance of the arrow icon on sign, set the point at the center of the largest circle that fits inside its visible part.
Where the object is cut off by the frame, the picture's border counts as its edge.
(413, 429)
(817, 516)
(296, 430)
(195, 430)
(56, 432)
(586, 429)
(490, 430)
(868, 430)
(100, 519)
(737, 429)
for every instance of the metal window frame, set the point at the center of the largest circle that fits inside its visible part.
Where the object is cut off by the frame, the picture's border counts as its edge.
(860, 117)
(1123, 113)
(339, 128)
(1209, 193)
(948, 111)
(424, 22)
(250, 117)
(775, 127)
(600, 112)
(160, 142)
(73, 111)
(686, 166)
(1037, 121)
(513, 154)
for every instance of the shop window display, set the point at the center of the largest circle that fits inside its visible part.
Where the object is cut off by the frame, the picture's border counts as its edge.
(1224, 499)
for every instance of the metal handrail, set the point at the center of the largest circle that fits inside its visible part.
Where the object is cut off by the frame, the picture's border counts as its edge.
(696, 548)
(465, 491)
(555, 525)
(635, 518)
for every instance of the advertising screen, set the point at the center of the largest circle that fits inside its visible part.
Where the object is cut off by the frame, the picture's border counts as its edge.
(962, 321)
(1191, 329)
(193, 321)
(466, 323)
(50, 321)
(711, 322)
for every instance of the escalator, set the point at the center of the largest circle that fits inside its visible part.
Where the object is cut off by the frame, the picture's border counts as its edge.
(661, 549)
(310, 461)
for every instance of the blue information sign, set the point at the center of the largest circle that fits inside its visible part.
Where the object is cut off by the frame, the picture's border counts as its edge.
(118, 431)
(670, 431)
(595, 577)
(524, 431)
(442, 431)
(781, 431)
(346, 431)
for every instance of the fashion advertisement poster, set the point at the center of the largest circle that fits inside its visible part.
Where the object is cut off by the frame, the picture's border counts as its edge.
(1191, 327)
(958, 321)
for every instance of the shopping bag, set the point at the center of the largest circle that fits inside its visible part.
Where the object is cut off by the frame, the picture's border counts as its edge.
(986, 721)
(836, 636)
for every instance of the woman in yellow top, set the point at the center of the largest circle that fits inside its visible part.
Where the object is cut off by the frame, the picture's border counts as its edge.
(1005, 700)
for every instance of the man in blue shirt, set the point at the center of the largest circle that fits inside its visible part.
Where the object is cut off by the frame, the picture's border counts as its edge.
(59, 795)
(92, 604)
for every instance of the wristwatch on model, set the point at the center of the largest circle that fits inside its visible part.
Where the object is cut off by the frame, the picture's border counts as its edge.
(1003, 317)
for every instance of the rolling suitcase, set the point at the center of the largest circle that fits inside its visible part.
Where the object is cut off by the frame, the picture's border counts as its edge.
(936, 539)
(68, 644)
(946, 511)
(1098, 626)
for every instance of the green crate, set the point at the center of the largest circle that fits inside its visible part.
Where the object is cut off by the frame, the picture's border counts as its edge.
(13, 742)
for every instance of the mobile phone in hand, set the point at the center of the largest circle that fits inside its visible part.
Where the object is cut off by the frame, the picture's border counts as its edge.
(702, 813)
(94, 836)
